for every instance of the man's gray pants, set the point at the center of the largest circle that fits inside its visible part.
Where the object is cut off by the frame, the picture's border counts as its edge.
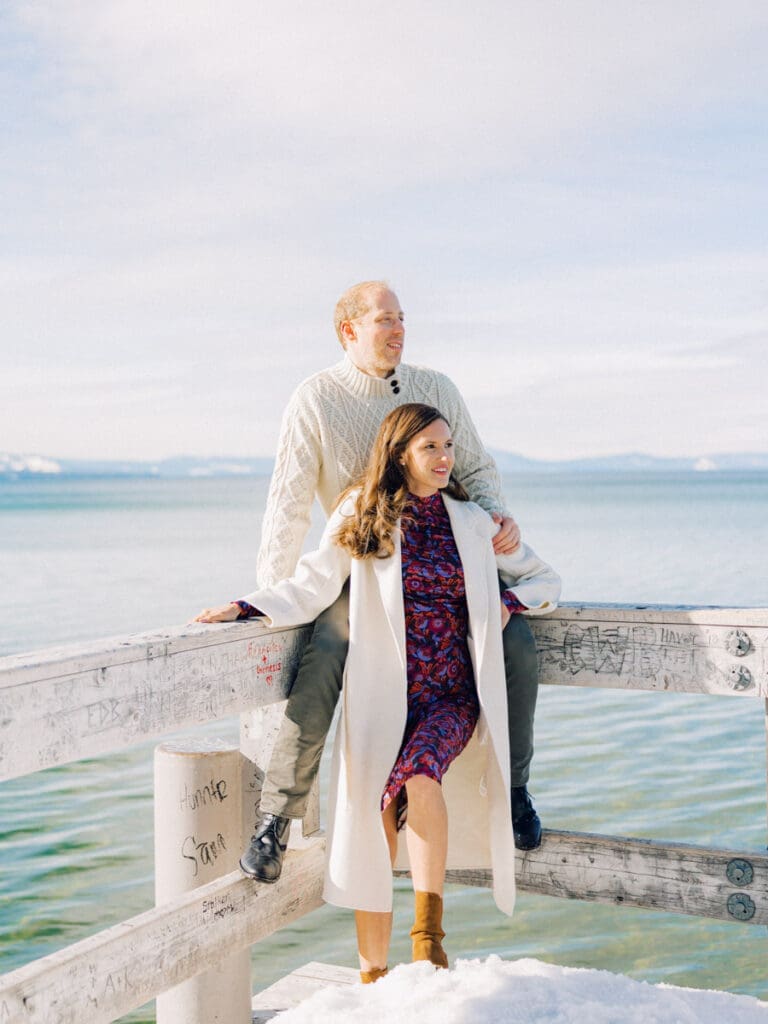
(315, 693)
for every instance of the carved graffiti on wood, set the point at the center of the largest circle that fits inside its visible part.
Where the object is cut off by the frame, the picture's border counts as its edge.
(619, 650)
(117, 981)
(686, 658)
(219, 907)
(212, 793)
(647, 653)
(202, 852)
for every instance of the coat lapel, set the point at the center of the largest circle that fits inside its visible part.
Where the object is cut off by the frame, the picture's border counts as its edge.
(469, 540)
(389, 578)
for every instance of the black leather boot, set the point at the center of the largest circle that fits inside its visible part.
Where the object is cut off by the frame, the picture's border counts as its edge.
(263, 860)
(526, 823)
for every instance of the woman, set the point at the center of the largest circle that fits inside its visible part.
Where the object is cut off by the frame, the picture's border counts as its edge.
(425, 664)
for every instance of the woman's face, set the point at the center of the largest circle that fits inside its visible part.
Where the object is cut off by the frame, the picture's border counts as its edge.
(428, 459)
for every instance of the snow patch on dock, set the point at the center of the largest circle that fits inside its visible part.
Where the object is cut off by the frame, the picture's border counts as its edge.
(496, 991)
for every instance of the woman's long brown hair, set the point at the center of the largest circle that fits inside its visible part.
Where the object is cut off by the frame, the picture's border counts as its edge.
(383, 489)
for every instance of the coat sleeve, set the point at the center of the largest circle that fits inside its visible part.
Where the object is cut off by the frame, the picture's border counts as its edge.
(534, 582)
(315, 585)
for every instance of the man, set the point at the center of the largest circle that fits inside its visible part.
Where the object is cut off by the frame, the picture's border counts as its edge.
(327, 433)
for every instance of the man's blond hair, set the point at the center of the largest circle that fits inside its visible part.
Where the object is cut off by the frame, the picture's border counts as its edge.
(355, 302)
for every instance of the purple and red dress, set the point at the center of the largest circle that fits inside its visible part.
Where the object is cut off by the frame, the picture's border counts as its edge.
(443, 706)
(442, 699)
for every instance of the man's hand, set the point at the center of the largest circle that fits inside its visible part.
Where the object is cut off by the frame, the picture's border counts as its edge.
(507, 540)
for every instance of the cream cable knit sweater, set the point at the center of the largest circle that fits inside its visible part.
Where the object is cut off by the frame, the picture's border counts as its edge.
(327, 433)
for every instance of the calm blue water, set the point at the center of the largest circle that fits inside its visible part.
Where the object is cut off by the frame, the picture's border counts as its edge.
(80, 559)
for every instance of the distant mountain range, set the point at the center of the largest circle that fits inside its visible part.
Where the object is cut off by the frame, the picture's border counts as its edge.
(634, 462)
(15, 465)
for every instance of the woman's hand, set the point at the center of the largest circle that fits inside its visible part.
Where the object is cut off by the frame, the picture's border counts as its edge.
(226, 613)
(505, 616)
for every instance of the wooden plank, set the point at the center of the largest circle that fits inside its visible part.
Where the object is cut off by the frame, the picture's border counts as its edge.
(61, 706)
(112, 973)
(69, 703)
(60, 662)
(685, 650)
(678, 878)
(73, 659)
(297, 986)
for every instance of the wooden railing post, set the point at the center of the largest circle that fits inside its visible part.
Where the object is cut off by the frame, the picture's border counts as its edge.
(198, 838)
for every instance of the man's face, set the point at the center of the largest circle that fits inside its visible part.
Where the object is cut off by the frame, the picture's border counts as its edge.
(374, 341)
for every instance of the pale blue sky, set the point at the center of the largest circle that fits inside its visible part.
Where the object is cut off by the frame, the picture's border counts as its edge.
(569, 198)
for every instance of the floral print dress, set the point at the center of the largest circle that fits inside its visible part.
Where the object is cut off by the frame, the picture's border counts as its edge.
(442, 699)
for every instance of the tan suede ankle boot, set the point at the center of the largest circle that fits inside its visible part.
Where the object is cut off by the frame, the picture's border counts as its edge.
(427, 931)
(368, 977)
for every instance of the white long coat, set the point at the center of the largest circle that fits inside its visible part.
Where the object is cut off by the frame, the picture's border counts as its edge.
(374, 703)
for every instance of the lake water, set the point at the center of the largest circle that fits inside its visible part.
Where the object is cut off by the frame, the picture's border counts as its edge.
(85, 558)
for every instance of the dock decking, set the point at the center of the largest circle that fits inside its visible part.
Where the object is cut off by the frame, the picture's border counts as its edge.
(298, 986)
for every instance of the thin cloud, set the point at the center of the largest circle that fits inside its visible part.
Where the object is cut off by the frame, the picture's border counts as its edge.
(191, 185)
(399, 85)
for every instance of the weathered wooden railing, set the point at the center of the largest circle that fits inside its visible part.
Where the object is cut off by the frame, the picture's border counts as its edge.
(63, 705)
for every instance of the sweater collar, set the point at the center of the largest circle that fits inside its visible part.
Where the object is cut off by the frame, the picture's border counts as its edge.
(360, 383)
